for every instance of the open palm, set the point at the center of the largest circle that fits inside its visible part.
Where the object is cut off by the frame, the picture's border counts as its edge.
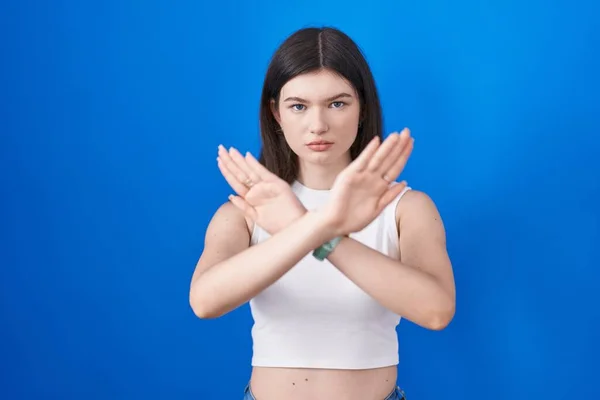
(263, 197)
(362, 190)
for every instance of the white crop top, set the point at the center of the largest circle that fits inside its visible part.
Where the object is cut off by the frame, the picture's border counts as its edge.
(315, 317)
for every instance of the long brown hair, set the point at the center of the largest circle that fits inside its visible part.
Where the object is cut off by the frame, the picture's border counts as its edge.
(308, 50)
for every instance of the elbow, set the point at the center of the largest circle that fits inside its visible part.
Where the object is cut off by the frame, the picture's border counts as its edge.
(440, 317)
(201, 307)
(439, 321)
(203, 312)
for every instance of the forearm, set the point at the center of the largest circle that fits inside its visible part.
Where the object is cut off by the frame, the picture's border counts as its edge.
(407, 291)
(232, 282)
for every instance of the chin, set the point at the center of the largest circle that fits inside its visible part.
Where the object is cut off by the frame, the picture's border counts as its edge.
(323, 158)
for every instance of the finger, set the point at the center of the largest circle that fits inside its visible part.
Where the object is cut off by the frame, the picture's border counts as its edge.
(400, 163)
(226, 159)
(235, 184)
(383, 152)
(258, 168)
(389, 161)
(391, 194)
(361, 162)
(241, 163)
(243, 206)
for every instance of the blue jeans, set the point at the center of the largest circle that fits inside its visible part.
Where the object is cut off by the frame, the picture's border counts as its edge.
(397, 394)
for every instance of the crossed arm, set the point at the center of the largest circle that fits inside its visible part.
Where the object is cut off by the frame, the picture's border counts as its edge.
(420, 286)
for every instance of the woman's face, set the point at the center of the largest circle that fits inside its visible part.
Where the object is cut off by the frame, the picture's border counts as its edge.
(319, 114)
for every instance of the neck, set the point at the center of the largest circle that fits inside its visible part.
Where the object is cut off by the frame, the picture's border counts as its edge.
(321, 176)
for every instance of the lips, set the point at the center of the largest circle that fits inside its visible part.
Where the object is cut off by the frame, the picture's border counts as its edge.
(319, 145)
(319, 142)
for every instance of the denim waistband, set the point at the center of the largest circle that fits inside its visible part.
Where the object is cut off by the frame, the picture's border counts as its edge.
(397, 394)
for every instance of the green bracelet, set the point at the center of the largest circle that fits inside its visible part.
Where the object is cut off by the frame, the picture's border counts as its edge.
(325, 249)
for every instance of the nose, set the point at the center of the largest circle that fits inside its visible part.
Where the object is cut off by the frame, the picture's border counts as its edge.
(318, 124)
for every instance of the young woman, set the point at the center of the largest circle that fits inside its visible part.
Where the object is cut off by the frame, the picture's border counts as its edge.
(328, 249)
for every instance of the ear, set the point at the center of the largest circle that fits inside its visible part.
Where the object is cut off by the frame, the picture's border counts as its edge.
(275, 111)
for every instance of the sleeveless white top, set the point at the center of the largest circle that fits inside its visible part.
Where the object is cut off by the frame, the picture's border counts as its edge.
(315, 317)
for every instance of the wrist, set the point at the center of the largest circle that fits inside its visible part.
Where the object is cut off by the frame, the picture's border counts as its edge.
(324, 251)
(331, 224)
(331, 235)
(323, 228)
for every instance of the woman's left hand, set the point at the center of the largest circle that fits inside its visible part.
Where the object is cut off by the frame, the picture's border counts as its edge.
(261, 195)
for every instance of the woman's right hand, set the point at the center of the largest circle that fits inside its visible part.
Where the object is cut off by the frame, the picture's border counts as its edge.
(261, 195)
(362, 190)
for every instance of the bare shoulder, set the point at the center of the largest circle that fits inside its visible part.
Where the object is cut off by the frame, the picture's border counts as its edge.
(229, 216)
(227, 234)
(422, 236)
(417, 207)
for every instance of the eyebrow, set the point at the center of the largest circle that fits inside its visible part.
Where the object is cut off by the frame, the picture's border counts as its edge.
(337, 96)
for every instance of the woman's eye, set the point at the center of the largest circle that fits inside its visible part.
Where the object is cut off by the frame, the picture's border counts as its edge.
(298, 107)
(337, 104)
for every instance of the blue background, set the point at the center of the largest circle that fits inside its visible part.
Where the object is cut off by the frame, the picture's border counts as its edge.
(110, 119)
